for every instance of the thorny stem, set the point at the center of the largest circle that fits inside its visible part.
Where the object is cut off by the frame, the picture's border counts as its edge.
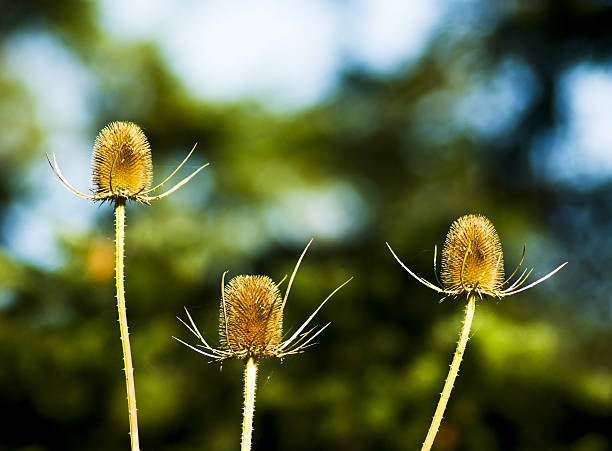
(125, 339)
(250, 380)
(452, 374)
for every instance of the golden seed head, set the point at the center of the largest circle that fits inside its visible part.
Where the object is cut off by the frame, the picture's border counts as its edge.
(122, 165)
(251, 322)
(472, 258)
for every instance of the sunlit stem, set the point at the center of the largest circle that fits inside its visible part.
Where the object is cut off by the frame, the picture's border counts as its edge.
(452, 374)
(250, 381)
(125, 340)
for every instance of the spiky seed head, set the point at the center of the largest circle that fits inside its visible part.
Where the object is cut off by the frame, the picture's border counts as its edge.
(472, 257)
(122, 165)
(251, 322)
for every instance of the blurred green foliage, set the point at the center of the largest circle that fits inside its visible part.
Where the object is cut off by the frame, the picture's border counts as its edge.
(384, 155)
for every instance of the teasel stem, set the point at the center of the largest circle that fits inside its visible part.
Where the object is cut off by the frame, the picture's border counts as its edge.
(250, 381)
(125, 339)
(452, 374)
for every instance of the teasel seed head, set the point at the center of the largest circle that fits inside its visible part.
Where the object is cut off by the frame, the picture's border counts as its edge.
(473, 262)
(472, 257)
(251, 318)
(121, 165)
(122, 168)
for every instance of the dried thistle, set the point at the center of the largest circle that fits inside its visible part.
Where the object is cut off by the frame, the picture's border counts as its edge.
(121, 161)
(472, 264)
(472, 257)
(251, 320)
(251, 327)
(122, 171)
(121, 167)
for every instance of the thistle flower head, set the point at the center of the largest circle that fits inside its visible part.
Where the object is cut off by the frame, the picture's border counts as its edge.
(472, 257)
(122, 168)
(250, 316)
(473, 262)
(251, 320)
(121, 165)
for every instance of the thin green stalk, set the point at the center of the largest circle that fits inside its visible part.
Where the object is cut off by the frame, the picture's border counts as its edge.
(125, 339)
(250, 381)
(452, 374)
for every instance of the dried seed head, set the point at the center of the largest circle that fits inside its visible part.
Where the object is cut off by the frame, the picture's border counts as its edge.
(251, 318)
(122, 165)
(472, 258)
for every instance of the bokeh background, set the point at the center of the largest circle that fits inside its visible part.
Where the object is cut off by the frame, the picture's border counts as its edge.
(353, 122)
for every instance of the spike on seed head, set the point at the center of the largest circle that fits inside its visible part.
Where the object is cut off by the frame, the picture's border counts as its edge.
(472, 257)
(122, 166)
(251, 317)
